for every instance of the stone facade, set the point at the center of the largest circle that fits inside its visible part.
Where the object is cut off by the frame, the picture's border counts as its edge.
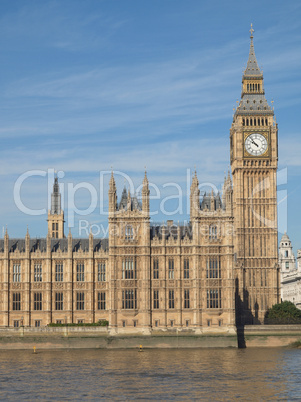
(290, 272)
(218, 270)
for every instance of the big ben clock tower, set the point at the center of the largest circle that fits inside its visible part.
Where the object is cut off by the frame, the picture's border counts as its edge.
(254, 156)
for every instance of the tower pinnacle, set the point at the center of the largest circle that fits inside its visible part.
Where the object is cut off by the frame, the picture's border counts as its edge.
(56, 198)
(56, 214)
(251, 31)
(252, 69)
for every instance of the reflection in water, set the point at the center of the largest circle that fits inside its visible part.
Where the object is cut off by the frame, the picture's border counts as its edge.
(215, 374)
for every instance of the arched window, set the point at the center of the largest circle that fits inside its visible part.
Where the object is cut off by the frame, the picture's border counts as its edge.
(262, 122)
(251, 122)
(243, 122)
(129, 232)
(212, 232)
(247, 122)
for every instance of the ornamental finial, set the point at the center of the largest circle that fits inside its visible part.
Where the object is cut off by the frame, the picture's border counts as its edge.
(251, 31)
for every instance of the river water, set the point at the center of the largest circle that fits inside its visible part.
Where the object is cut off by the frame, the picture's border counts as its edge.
(166, 374)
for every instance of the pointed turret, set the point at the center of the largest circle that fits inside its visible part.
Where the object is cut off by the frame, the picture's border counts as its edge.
(91, 245)
(129, 201)
(212, 201)
(123, 200)
(227, 193)
(56, 214)
(112, 195)
(6, 241)
(194, 196)
(145, 195)
(48, 243)
(69, 242)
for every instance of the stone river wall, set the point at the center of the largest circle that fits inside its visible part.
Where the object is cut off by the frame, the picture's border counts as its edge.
(101, 337)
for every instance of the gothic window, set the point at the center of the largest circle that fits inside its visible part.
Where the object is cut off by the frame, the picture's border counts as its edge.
(129, 299)
(186, 268)
(171, 299)
(129, 232)
(80, 272)
(59, 300)
(59, 274)
(213, 268)
(212, 232)
(247, 122)
(37, 301)
(243, 122)
(80, 301)
(101, 272)
(16, 301)
(128, 269)
(156, 269)
(186, 299)
(171, 270)
(101, 301)
(37, 273)
(16, 273)
(156, 299)
(213, 298)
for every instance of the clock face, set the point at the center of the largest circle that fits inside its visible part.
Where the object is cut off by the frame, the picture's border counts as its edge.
(256, 144)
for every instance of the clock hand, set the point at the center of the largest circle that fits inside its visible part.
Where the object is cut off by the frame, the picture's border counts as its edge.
(253, 142)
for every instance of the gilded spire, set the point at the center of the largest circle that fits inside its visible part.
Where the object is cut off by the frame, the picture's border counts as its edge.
(252, 65)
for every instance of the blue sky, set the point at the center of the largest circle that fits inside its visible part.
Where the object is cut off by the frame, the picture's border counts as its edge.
(86, 85)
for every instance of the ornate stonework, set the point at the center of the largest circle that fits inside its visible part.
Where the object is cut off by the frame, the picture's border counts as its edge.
(218, 270)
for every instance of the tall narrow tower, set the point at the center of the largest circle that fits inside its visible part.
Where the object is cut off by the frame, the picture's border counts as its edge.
(56, 214)
(254, 157)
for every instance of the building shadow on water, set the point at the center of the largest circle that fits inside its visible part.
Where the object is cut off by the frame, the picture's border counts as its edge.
(243, 314)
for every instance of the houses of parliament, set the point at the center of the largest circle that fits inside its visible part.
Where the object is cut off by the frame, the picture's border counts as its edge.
(218, 271)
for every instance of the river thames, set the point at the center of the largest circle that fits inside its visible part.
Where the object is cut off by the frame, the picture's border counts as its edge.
(162, 374)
